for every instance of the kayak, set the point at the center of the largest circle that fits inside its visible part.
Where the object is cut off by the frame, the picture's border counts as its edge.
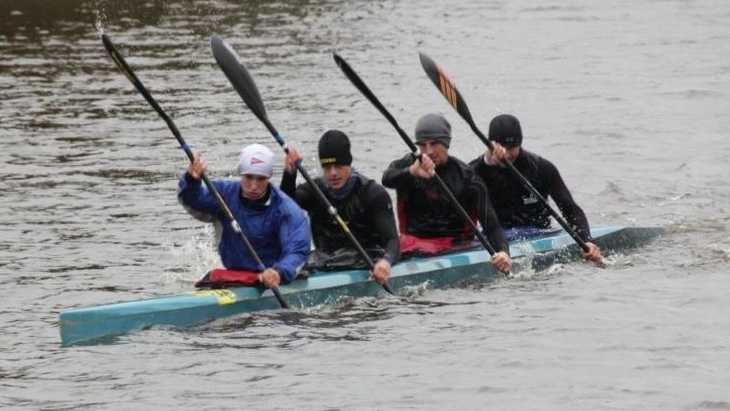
(89, 325)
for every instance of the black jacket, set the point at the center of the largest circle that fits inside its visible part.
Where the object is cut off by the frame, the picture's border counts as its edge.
(425, 211)
(367, 211)
(516, 206)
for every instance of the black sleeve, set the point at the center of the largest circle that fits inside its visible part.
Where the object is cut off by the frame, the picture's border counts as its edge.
(478, 196)
(397, 174)
(484, 171)
(477, 165)
(573, 214)
(493, 231)
(305, 197)
(289, 183)
(383, 220)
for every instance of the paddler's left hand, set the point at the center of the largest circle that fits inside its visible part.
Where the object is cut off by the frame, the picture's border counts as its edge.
(197, 167)
(270, 278)
(502, 262)
(594, 254)
(291, 160)
(381, 271)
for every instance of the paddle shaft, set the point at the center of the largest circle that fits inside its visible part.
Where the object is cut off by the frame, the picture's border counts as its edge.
(451, 93)
(246, 88)
(124, 67)
(364, 89)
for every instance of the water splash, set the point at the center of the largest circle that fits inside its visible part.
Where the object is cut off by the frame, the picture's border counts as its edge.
(195, 257)
(528, 272)
(100, 19)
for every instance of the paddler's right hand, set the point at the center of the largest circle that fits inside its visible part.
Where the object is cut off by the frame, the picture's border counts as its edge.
(270, 278)
(423, 167)
(197, 167)
(594, 254)
(496, 155)
(291, 159)
(501, 262)
(381, 271)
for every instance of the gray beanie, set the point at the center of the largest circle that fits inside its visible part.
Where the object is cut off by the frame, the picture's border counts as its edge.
(433, 127)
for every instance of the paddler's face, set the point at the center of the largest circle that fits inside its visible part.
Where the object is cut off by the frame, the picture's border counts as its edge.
(438, 152)
(336, 175)
(254, 186)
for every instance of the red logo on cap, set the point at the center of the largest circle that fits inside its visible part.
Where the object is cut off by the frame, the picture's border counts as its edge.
(255, 160)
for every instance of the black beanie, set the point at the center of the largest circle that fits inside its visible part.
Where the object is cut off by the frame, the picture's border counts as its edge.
(334, 148)
(433, 127)
(505, 129)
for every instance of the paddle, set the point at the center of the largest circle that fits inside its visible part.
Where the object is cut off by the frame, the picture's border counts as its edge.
(243, 83)
(360, 85)
(452, 95)
(124, 67)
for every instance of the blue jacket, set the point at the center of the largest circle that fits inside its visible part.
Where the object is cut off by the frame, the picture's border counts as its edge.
(279, 231)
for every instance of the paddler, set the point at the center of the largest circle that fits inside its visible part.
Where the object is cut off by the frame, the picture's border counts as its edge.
(363, 204)
(429, 223)
(274, 224)
(517, 208)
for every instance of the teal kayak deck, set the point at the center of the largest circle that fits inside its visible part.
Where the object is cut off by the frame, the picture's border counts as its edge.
(85, 325)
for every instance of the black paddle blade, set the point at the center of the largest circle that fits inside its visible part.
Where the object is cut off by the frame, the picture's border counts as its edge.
(365, 90)
(239, 77)
(127, 71)
(119, 61)
(360, 85)
(447, 87)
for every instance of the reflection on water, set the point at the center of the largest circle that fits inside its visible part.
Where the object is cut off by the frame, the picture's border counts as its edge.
(348, 320)
(36, 20)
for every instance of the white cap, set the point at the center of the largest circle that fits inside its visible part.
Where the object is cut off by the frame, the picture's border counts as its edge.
(256, 159)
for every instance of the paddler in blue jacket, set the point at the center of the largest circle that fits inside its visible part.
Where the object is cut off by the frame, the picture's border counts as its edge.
(274, 224)
(519, 211)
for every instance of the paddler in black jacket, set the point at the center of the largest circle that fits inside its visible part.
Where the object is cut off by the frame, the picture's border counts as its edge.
(517, 208)
(361, 202)
(429, 222)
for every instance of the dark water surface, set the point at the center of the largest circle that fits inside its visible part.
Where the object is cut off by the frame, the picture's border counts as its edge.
(630, 99)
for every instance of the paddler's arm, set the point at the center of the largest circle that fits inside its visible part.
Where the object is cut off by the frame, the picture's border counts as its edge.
(383, 220)
(191, 192)
(397, 174)
(302, 194)
(289, 182)
(295, 241)
(494, 233)
(493, 230)
(572, 212)
(501, 260)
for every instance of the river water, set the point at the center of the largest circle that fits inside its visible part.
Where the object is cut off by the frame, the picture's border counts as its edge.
(630, 99)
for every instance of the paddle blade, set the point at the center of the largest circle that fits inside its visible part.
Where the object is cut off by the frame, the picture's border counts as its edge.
(447, 87)
(365, 90)
(124, 67)
(119, 61)
(239, 77)
(360, 85)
